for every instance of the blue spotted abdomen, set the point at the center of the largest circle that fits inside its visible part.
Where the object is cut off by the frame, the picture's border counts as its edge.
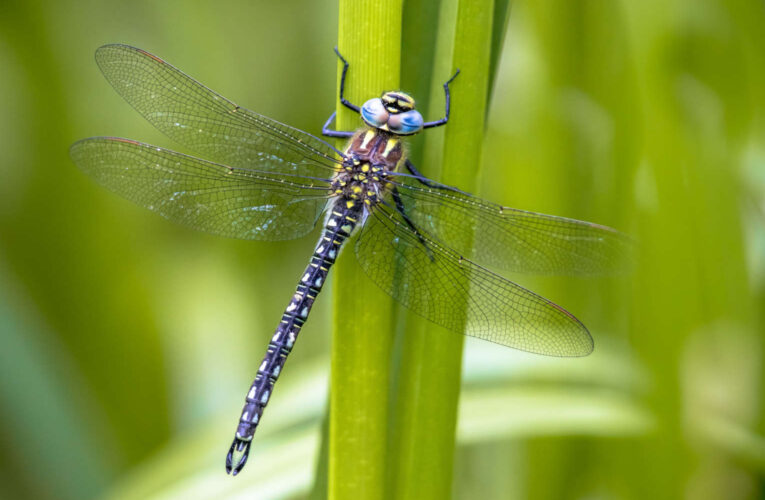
(341, 221)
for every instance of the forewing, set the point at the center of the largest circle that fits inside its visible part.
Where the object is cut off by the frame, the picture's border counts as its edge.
(218, 199)
(207, 122)
(512, 239)
(435, 282)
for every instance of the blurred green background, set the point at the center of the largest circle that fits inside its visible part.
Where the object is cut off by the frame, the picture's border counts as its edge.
(127, 343)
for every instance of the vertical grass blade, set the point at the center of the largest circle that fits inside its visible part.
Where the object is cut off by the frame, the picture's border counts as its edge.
(418, 46)
(370, 39)
(499, 30)
(425, 418)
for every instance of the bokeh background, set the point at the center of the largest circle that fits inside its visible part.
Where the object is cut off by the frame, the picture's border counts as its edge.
(127, 343)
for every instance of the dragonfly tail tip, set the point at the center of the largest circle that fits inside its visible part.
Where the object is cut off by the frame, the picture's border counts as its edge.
(237, 456)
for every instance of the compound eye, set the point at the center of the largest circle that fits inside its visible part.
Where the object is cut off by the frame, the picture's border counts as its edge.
(406, 123)
(374, 114)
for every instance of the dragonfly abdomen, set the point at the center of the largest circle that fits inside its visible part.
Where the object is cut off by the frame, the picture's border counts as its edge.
(340, 223)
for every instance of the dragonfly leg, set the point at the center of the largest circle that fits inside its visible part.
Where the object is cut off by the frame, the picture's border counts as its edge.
(424, 180)
(343, 100)
(445, 119)
(327, 131)
(402, 210)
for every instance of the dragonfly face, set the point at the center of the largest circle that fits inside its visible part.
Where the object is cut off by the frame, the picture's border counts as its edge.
(417, 239)
(393, 112)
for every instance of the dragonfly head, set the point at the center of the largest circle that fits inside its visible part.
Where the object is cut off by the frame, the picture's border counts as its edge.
(393, 112)
(397, 102)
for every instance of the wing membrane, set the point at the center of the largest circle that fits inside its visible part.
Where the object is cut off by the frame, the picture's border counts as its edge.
(512, 239)
(190, 113)
(435, 282)
(215, 198)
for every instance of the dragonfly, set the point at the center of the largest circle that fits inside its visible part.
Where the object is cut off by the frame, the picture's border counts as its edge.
(419, 240)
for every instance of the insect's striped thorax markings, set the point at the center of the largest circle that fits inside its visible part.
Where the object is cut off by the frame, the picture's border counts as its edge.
(390, 145)
(369, 156)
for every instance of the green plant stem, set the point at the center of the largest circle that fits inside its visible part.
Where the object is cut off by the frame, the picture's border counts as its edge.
(426, 409)
(370, 40)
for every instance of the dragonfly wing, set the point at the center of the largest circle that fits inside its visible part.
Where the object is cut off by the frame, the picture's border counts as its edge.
(435, 282)
(190, 113)
(215, 198)
(512, 239)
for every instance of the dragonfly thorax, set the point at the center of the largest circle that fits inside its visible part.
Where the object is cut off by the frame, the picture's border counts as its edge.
(369, 158)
